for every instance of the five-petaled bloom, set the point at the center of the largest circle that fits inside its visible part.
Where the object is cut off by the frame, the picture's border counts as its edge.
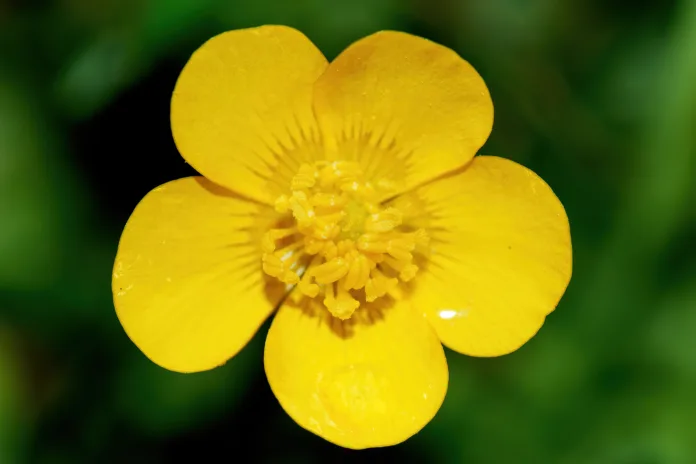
(347, 195)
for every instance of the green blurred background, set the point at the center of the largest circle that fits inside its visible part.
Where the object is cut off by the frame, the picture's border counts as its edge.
(597, 96)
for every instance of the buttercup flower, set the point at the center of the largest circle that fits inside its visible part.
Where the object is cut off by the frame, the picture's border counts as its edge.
(344, 197)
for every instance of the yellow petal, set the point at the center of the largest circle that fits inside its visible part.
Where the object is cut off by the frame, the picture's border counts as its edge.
(241, 110)
(373, 380)
(406, 108)
(187, 282)
(500, 256)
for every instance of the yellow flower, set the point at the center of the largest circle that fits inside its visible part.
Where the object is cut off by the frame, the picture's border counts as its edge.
(347, 197)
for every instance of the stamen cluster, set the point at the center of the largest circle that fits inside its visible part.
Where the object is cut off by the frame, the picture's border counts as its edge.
(341, 243)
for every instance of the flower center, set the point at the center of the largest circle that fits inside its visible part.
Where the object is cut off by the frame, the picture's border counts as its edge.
(341, 244)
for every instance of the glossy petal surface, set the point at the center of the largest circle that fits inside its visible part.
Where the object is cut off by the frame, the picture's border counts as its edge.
(406, 108)
(500, 256)
(371, 381)
(187, 282)
(241, 110)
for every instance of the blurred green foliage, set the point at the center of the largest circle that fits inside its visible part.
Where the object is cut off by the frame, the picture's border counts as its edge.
(598, 97)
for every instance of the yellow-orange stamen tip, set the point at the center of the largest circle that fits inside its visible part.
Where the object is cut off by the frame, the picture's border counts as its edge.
(313, 245)
(371, 243)
(385, 221)
(342, 306)
(302, 209)
(308, 289)
(306, 178)
(290, 277)
(408, 272)
(330, 271)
